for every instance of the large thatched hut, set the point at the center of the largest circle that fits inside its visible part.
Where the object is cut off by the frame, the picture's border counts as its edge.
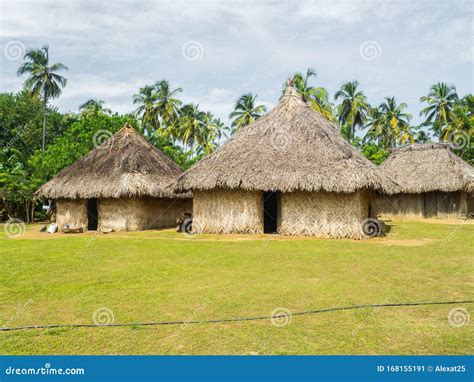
(435, 183)
(121, 185)
(289, 172)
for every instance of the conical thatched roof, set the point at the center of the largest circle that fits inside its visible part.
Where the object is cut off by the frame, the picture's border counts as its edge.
(428, 167)
(291, 148)
(126, 165)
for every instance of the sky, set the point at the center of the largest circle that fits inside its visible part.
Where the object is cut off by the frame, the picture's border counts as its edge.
(218, 50)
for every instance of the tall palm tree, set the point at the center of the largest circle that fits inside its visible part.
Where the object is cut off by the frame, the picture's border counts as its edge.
(94, 107)
(245, 111)
(146, 111)
(440, 110)
(354, 107)
(167, 106)
(209, 134)
(389, 123)
(395, 119)
(190, 125)
(43, 79)
(376, 127)
(317, 97)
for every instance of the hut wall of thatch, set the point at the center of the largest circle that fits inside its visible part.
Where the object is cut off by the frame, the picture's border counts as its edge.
(324, 214)
(227, 211)
(140, 213)
(72, 212)
(435, 204)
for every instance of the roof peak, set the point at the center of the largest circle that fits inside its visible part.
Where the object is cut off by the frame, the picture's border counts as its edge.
(290, 89)
(127, 128)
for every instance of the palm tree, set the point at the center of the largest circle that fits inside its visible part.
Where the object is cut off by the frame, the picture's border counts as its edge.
(396, 120)
(421, 136)
(190, 125)
(245, 111)
(317, 97)
(376, 127)
(43, 79)
(209, 133)
(440, 110)
(167, 107)
(354, 107)
(146, 110)
(389, 123)
(94, 107)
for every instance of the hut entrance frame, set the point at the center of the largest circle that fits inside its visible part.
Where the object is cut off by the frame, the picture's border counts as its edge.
(92, 215)
(271, 211)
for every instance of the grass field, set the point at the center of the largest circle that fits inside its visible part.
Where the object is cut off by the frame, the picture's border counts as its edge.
(163, 275)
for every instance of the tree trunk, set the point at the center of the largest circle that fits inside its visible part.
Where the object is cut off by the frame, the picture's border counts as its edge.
(27, 210)
(44, 122)
(32, 210)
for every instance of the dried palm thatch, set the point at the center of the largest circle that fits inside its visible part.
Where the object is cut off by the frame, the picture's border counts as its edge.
(140, 213)
(124, 166)
(428, 167)
(227, 211)
(291, 148)
(324, 214)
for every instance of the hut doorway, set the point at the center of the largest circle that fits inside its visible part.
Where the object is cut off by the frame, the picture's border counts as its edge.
(92, 215)
(271, 211)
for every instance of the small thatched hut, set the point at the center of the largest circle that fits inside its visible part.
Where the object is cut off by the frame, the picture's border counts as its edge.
(289, 172)
(435, 183)
(121, 185)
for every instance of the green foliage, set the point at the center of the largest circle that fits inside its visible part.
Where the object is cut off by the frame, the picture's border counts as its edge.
(317, 97)
(353, 109)
(246, 111)
(164, 119)
(43, 79)
(388, 124)
(374, 152)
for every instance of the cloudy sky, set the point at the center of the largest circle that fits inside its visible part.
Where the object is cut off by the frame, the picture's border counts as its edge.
(218, 50)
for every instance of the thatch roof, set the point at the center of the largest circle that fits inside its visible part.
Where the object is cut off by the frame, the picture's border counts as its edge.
(291, 148)
(126, 165)
(428, 167)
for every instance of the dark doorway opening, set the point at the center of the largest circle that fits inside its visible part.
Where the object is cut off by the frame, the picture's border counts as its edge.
(92, 215)
(270, 212)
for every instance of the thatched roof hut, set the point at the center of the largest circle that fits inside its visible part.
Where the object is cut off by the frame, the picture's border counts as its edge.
(321, 181)
(126, 179)
(434, 182)
(124, 166)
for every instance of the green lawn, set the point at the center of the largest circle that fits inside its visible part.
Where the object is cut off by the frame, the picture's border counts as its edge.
(163, 275)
